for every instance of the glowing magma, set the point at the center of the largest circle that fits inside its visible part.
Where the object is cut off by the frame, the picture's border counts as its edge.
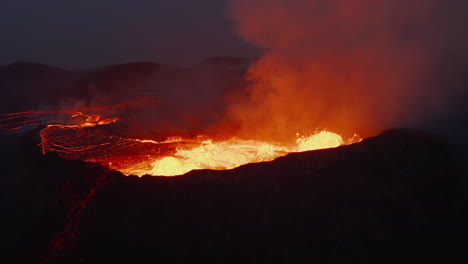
(82, 138)
(230, 154)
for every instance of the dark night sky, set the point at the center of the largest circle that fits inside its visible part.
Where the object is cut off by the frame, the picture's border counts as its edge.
(88, 33)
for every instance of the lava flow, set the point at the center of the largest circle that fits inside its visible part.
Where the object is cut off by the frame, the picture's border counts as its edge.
(173, 156)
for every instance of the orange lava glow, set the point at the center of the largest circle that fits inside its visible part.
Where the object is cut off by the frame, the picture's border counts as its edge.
(229, 154)
(173, 156)
(79, 135)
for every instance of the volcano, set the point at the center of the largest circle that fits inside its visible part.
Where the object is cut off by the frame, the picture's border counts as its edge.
(392, 198)
(341, 137)
(79, 183)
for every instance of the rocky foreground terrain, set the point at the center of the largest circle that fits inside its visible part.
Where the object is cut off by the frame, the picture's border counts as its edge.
(395, 198)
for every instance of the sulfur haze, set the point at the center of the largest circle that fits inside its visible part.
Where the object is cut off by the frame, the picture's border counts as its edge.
(349, 66)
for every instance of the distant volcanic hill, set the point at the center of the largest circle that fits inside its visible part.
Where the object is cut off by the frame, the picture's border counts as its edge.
(204, 88)
(394, 198)
(44, 81)
(116, 77)
(25, 85)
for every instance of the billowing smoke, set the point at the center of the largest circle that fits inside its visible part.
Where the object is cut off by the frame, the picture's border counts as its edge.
(348, 66)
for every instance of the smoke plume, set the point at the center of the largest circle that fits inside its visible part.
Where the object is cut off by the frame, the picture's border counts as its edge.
(348, 66)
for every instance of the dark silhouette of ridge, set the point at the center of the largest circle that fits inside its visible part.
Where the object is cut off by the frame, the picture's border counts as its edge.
(109, 77)
(395, 198)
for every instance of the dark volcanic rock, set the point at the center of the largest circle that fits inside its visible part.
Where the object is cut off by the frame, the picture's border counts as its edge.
(389, 199)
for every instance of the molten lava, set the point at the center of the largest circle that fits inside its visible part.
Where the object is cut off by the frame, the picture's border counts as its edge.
(230, 154)
(78, 135)
(173, 156)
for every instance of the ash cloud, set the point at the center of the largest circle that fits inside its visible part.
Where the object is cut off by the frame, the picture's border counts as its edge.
(349, 66)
